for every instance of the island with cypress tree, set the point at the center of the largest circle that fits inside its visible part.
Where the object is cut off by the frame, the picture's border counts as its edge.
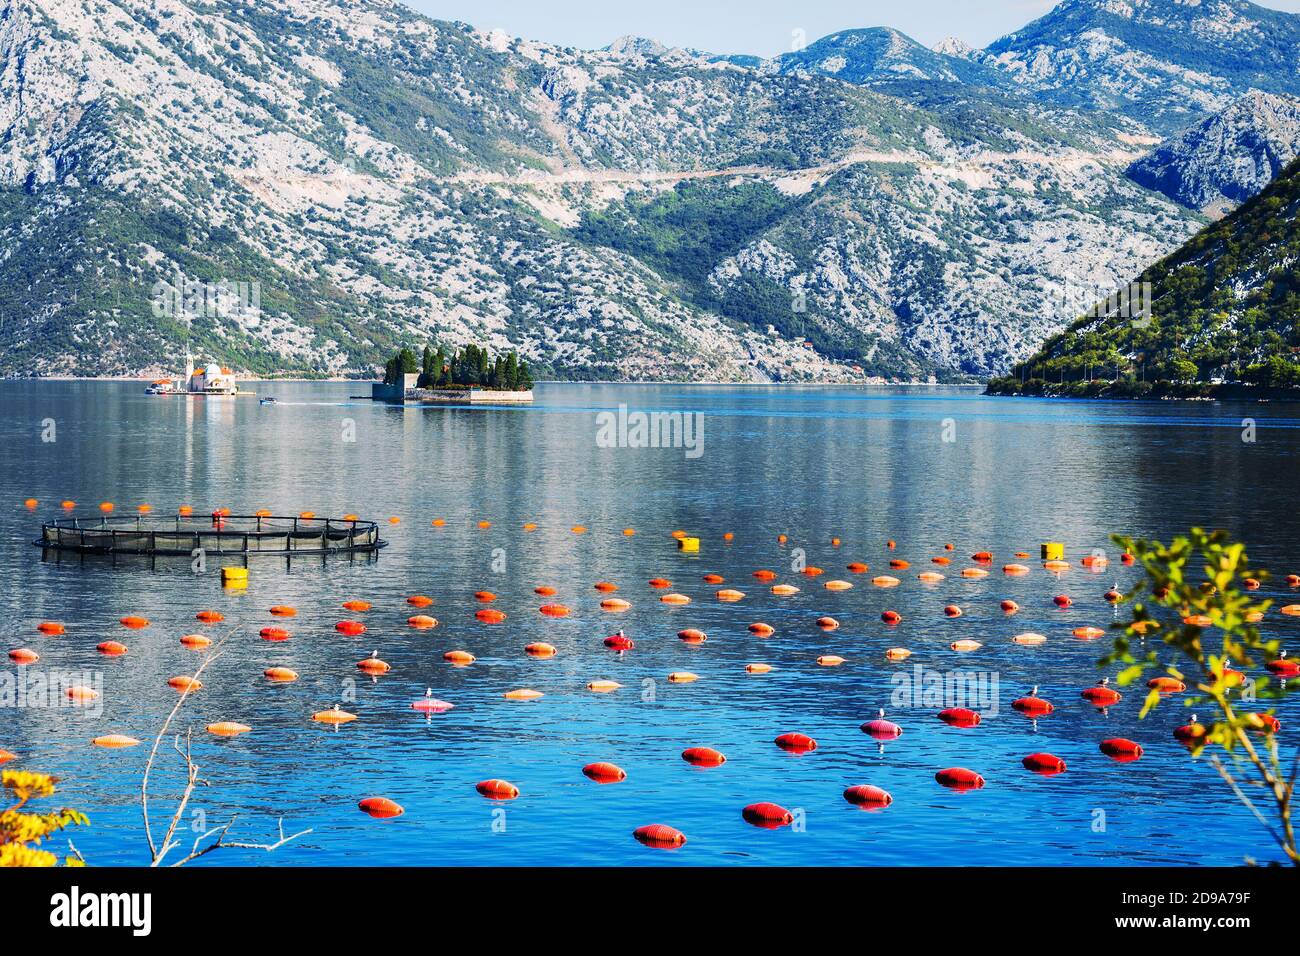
(466, 376)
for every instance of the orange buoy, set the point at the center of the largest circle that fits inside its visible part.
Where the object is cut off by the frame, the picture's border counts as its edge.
(422, 622)
(890, 617)
(356, 605)
(210, 617)
(459, 658)
(523, 693)
(765, 575)
(335, 715)
(1203, 621)
(305, 515)
(185, 684)
(51, 628)
(352, 517)
(1031, 705)
(1044, 763)
(530, 526)
(605, 586)
(195, 642)
(759, 629)
(675, 599)
(1190, 733)
(484, 524)
(30, 503)
(703, 756)
(758, 668)
(1029, 639)
(959, 717)
(115, 741)
(882, 729)
(983, 557)
(769, 816)
(691, 636)
(381, 808)
(7, 755)
(484, 596)
(891, 544)
(949, 547)
(351, 628)
(941, 560)
(784, 590)
(540, 649)
(885, 581)
(394, 520)
(952, 610)
(228, 728)
(1126, 559)
(579, 529)
(660, 584)
(728, 596)
(974, 573)
(959, 778)
(812, 571)
(419, 600)
(857, 567)
(438, 522)
(1062, 600)
(835, 542)
(1166, 685)
(554, 610)
(628, 532)
(614, 605)
(827, 623)
(284, 610)
(544, 590)
(134, 622)
(373, 665)
(1291, 610)
(1121, 749)
(1088, 633)
(781, 539)
(830, 660)
(280, 675)
(273, 634)
(144, 509)
(713, 579)
(68, 505)
(497, 789)
(81, 694)
(106, 506)
(490, 615)
(867, 796)
(682, 677)
(1293, 580)
(1057, 566)
(111, 648)
(1015, 570)
(604, 772)
(930, 577)
(965, 646)
(1102, 695)
(1009, 606)
(603, 686)
(1265, 723)
(796, 743)
(660, 836)
(1282, 667)
(897, 654)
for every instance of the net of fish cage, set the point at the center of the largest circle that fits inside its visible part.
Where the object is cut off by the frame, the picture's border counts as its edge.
(225, 534)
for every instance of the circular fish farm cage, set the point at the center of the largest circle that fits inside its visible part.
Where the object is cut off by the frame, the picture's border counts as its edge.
(218, 534)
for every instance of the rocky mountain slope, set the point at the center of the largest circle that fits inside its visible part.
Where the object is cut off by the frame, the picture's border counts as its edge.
(1224, 308)
(883, 55)
(1229, 157)
(379, 178)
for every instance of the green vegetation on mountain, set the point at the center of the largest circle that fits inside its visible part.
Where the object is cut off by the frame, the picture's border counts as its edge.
(1224, 313)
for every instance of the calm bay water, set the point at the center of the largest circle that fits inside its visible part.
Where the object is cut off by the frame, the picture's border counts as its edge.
(863, 465)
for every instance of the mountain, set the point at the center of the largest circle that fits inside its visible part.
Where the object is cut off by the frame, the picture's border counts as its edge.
(302, 186)
(1225, 309)
(1227, 158)
(1167, 63)
(882, 55)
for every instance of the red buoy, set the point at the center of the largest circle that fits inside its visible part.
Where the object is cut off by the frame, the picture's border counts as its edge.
(111, 648)
(882, 729)
(1062, 600)
(959, 778)
(1283, 667)
(796, 743)
(703, 756)
(351, 628)
(770, 816)
(660, 836)
(1190, 733)
(891, 617)
(1102, 695)
(619, 642)
(1121, 749)
(959, 717)
(1166, 685)
(868, 797)
(495, 789)
(380, 807)
(605, 772)
(1044, 763)
(274, 634)
(1032, 705)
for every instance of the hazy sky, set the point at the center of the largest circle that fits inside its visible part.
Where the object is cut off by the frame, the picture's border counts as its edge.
(763, 27)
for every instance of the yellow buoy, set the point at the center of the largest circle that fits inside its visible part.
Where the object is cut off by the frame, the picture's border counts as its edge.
(689, 545)
(1052, 551)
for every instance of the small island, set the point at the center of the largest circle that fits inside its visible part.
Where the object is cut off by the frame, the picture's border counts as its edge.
(470, 376)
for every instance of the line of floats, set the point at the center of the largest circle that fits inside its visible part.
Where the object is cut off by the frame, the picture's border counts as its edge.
(763, 814)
